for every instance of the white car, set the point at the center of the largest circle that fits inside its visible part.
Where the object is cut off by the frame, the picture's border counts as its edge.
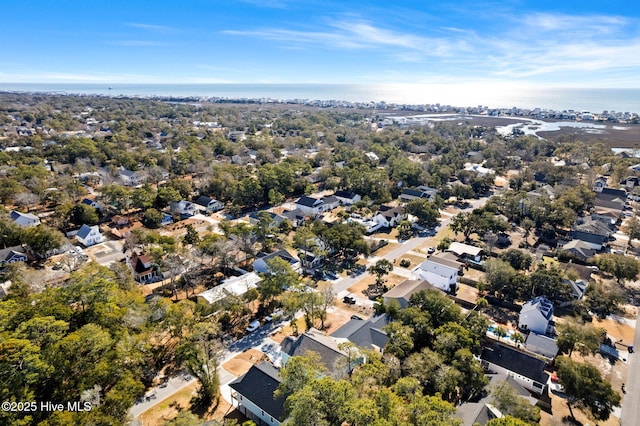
(253, 326)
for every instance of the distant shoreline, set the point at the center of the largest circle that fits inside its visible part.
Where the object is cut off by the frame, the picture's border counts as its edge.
(595, 100)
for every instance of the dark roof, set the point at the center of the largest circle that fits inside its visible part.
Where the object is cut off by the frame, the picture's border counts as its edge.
(84, 231)
(315, 341)
(203, 200)
(258, 385)
(11, 252)
(282, 254)
(365, 334)
(294, 215)
(307, 201)
(346, 194)
(588, 237)
(516, 361)
(414, 193)
(612, 192)
(330, 199)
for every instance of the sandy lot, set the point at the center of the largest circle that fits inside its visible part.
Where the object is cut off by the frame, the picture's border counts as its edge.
(359, 287)
(241, 363)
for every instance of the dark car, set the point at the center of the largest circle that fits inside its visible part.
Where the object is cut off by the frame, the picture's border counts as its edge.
(355, 317)
(349, 300)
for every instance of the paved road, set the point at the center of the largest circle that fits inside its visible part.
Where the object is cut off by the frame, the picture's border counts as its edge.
(261, 336)
(631, 408)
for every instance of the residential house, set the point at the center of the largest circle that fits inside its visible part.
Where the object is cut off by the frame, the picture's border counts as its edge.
(578, 248)
(422, 192)
(347, 197)
(11, 255)
(389, 217)
(479, 170)
(311, 262)
(537, 316)
(144, 271)
(526, 370)
(254, 217)
(93, 203)
(132, 178)
(370, 225)
(24, 220)
(183, 208)
(333, 358)
(402, 292)
(366, 334)
(89, 235)
(542, 345)
(297, 217)
(231, 287)
(593, 241)
(465, 251)
(440, 271)
(313, 206)
(254, 395)
(208, 205)
(260, 265)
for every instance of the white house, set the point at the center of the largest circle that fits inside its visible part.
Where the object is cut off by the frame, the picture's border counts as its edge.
(208, 205)
(313, 206)
(89, 235)
(24, 220)
(232, 286)
(347, 197)
(439, 272)
(422, 192)
(132, 178)
(253, 393)
(183, 208)
(389, 217)
(526, 370)
(465, 250)
(536, 315)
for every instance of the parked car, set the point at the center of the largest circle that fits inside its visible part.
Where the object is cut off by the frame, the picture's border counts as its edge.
(253, 326)
(349, 300)
(431, 250)
(274, 315)
(332, 275)
(355, 317)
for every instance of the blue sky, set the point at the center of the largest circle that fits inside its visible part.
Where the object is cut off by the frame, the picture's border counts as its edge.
(564, 43)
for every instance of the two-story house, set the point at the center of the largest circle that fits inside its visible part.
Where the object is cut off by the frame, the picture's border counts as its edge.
(208, 205)
(440, 271)
(89, 235)
(537, 315)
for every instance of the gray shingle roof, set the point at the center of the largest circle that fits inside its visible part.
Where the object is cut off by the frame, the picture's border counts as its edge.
(516, 361)
(258, 385)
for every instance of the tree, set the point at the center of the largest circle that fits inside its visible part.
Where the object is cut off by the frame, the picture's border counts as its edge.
(632, 228)
(507, 421)
(584, 385)
(83, 214)
(527, 224)
(602, 300)
(381, 268)
(400, 341)
(42, 239)
(279, 277)
(298, 372)
(153, 218)
(327, 299)
(444, 244)
(585, 339)
(200, 354)
(620, 266)
(191, 237)
(405, 230)
(426, 212)
(507, 400)
(518, 259)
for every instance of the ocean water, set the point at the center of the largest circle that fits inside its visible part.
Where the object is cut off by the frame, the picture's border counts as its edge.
(494, 96)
